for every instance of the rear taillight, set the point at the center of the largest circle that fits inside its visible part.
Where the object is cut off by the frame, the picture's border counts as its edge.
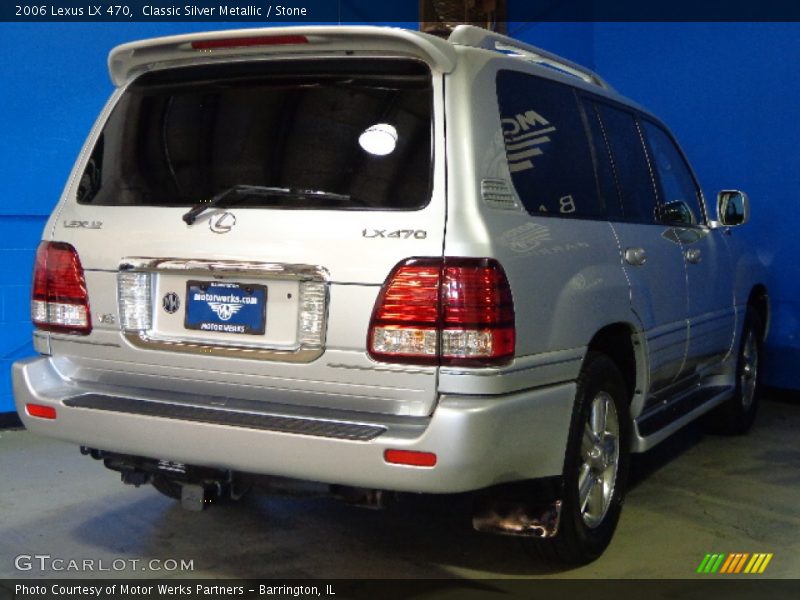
(59, 301)
(452, 311)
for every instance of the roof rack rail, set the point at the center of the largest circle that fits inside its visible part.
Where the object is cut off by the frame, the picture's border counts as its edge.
(477, 37)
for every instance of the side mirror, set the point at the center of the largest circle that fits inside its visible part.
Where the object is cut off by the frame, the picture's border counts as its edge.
(733, 208)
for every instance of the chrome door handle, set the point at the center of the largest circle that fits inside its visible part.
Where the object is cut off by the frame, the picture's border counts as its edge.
(635, 256)
(693, 255)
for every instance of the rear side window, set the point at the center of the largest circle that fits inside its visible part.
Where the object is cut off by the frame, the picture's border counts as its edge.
(546, 146)
(607, 180)
(629, 163)
(359, 130)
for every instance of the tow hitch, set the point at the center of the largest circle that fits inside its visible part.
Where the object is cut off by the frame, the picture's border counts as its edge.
(195, 487)
(198, 496)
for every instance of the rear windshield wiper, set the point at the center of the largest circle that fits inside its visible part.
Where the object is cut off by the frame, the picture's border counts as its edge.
(259, 190)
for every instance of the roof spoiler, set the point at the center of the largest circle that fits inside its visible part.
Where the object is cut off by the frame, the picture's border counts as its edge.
(477, 37)
(127, 61)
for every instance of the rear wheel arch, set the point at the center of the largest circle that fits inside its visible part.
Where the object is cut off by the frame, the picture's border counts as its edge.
(620, 343)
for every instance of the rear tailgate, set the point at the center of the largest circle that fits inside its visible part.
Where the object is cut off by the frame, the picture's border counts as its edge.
(267, 296)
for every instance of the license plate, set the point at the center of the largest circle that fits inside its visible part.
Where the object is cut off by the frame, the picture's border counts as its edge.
(222, 307)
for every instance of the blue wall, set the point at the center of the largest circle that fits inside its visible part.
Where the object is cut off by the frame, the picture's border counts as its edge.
(574, 41)
(48, 103)
(19, 237)
(726, 89)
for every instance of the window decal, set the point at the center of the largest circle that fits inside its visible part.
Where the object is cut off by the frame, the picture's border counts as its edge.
(524, 135)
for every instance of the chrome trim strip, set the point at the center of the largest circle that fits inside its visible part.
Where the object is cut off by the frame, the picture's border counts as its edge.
(140, 339)
(215, 268)
(399, 368)
(192, 266)
(74, 340)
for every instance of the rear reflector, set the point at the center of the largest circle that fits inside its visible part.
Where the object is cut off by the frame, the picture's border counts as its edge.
(265, 40)
(59, 300)
(411, 458)
(452, 311)
(41, 411)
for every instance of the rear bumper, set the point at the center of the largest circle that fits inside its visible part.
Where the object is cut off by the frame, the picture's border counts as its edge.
(478, 441)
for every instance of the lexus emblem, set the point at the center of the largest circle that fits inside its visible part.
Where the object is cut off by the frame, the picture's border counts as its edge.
(222, 223)
(171, 303)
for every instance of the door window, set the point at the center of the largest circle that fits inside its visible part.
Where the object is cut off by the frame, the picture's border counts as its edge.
(680, 197)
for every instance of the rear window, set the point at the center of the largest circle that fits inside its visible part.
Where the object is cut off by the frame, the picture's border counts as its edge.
(358, 130)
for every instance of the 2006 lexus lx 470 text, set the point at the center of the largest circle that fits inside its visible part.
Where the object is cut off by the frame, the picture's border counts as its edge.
(387, 262)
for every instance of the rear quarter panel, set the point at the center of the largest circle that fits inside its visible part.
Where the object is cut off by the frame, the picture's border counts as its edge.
(566, 274)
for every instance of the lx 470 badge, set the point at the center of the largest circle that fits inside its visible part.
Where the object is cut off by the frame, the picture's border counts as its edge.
(403, 234)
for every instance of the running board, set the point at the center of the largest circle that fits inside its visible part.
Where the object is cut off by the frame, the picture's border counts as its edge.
(663, 415)
(248, 420)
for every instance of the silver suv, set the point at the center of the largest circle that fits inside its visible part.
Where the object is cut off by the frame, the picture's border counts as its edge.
(384, 261)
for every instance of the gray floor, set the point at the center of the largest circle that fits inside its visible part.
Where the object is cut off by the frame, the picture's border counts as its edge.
(695, 494)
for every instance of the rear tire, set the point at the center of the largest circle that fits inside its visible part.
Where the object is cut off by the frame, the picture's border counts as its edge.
(737, 415)
(595, 465)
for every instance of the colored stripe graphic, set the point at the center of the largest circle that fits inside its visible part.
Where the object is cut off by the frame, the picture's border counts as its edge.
(714, 564)
(734, 563)
(765, 563)
(705, 561)
(727, 564)
(740, 564)
(717, 565)
(755, 562)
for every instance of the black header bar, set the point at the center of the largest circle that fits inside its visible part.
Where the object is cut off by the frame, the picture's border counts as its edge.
(386, 11)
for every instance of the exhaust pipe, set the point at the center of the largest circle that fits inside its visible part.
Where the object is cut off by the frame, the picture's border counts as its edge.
(517, 518)
(526, 508)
